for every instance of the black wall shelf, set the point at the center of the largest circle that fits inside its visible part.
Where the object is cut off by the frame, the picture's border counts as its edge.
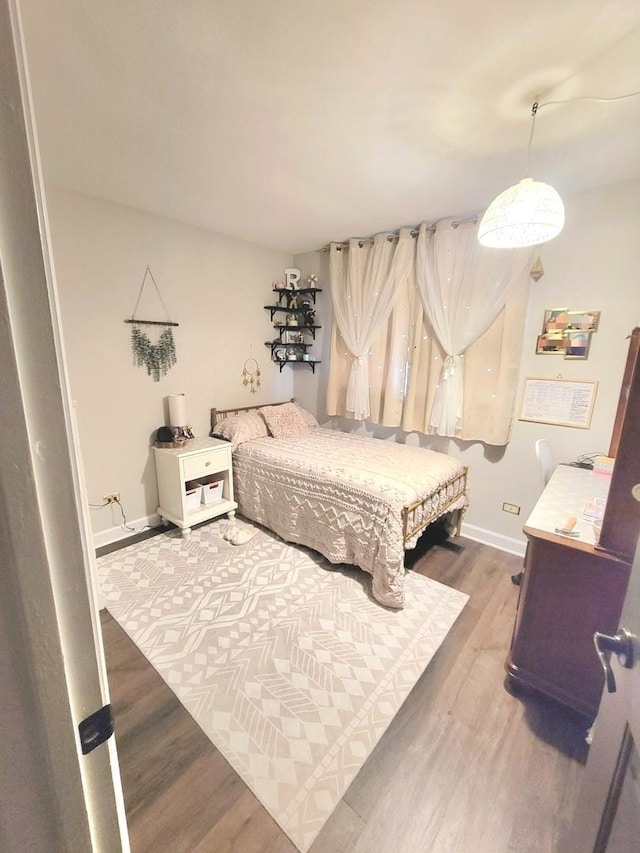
(280, 329)
(310, 291)
(282, 361)
(299, 348)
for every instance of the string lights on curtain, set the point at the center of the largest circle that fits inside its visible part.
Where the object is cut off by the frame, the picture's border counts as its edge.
(529, 212)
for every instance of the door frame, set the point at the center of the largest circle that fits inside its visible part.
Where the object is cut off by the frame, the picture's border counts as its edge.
(52, 662)
(612, 736)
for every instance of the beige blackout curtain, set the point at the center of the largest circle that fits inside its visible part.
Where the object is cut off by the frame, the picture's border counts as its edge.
(406, 359)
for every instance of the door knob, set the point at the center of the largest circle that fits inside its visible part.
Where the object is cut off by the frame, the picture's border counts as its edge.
(622, 645)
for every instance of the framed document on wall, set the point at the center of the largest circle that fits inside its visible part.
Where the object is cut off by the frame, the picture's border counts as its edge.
(561, 402)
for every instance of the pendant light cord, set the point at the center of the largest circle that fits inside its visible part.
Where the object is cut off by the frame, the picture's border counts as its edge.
(587, 98)
(538, 106)
(534, 112)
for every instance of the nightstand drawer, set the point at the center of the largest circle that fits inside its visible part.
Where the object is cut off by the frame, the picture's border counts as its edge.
(201, 464)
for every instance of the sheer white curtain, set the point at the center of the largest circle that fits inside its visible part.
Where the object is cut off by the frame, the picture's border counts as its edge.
(404, 366)
(464, 287)
(406, 363)
(365, 280)
(406, 360)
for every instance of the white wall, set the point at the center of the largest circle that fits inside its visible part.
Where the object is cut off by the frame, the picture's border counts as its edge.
(310, 389)
(213, 286)
(593, 264)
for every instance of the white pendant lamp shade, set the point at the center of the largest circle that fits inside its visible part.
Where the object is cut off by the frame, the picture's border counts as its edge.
(525, 214)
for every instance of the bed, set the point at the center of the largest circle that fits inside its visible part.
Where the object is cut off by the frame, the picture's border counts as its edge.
(357, 500)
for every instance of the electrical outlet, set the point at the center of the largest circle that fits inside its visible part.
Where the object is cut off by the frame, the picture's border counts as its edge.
(113, 498)
(512, 508)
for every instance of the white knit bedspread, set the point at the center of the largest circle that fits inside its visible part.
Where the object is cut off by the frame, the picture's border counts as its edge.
(343, 495)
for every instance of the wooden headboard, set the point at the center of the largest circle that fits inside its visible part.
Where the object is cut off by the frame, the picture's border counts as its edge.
(218, 415)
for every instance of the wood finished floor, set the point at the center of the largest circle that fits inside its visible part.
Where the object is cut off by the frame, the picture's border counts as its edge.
(464, 766)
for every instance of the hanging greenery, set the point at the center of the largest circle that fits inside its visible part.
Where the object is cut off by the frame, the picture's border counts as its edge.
(158, 358)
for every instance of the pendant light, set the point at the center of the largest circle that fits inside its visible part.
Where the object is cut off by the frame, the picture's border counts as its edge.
(526, 214)
(530, 212)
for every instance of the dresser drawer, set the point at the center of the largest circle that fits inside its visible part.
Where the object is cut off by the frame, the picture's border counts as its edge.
(209, 462)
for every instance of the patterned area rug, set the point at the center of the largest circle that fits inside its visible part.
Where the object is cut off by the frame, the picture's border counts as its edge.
(286, 662)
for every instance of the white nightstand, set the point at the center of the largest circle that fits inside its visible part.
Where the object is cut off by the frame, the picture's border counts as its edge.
(196, 461)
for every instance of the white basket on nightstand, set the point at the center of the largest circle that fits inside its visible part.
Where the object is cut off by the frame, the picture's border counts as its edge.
(193, 497)
(212, 492)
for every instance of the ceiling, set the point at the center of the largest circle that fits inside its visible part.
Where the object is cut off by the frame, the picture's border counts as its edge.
(290, 123)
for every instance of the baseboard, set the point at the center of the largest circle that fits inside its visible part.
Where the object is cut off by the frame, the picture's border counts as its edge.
(478, 534)
(115, 534)
(495, 540)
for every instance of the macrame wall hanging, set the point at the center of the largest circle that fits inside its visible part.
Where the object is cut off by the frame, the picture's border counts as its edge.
(158, 355)
(251, 374)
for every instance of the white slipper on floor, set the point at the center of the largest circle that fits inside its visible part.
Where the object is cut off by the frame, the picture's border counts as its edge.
(241, 536)
(238, 534)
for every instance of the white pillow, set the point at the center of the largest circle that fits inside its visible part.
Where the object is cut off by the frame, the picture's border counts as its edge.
(284, 421)
(245, 426)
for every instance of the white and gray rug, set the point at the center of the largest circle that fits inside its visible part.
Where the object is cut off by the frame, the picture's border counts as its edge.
(285, 661)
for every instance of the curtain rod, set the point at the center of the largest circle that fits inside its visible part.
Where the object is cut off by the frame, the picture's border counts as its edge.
(393, 235)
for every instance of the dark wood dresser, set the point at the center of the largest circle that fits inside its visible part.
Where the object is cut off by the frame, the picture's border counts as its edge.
(572, 587)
